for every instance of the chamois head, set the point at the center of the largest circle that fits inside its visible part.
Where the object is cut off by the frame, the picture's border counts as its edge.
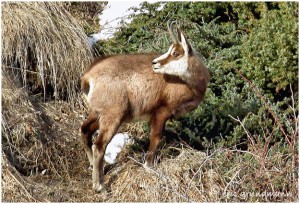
(175, 61)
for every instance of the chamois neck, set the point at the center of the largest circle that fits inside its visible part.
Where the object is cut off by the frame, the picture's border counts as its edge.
(198, 76)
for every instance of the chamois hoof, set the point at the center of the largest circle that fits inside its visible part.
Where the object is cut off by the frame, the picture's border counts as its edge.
(97, 187)
(90, 167)
(147, 166)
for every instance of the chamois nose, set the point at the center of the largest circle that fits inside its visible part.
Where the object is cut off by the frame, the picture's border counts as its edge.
(154, 62)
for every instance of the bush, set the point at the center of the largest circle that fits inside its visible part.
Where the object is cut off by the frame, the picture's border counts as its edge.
(255, 40)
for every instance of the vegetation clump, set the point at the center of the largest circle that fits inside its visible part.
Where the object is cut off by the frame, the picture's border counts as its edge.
(44, 48)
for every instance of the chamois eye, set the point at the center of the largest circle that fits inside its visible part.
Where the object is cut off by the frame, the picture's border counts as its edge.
(175, 54)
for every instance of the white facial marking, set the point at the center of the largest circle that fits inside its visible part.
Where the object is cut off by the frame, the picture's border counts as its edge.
(176, 67)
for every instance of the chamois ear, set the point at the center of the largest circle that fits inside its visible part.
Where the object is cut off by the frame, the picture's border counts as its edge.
(185, 44)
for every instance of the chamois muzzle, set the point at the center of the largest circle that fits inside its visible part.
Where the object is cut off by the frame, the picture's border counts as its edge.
(155, 65)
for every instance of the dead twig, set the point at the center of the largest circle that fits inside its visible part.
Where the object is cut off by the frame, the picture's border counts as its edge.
(266, 104)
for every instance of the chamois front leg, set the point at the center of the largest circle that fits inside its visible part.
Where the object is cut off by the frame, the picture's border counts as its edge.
(157, 121)
(88, 128)
(108, 127)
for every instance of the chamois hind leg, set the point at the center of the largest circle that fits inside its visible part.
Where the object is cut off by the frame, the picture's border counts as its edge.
(157, 121)
(88, 128)
(108, 127)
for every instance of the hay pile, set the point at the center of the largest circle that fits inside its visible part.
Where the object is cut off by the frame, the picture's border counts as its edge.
(44, 53)
(44, 47)
(37, 139)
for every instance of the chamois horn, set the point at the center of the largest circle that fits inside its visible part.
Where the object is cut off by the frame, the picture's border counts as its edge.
(172, 34)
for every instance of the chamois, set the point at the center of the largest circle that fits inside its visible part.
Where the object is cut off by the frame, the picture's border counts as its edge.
(151, 87)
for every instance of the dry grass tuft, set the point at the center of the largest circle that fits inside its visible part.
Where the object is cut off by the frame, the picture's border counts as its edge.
(32, 136)
(44, 47)
(179, 179)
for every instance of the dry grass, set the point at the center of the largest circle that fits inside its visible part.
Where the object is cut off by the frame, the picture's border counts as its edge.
(32, 136)
(45, 51)
(172, 180)
(44, 47)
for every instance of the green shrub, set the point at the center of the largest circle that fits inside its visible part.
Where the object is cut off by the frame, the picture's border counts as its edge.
(256, 40)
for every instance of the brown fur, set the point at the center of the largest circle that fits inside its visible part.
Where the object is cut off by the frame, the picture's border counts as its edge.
(125, 88)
